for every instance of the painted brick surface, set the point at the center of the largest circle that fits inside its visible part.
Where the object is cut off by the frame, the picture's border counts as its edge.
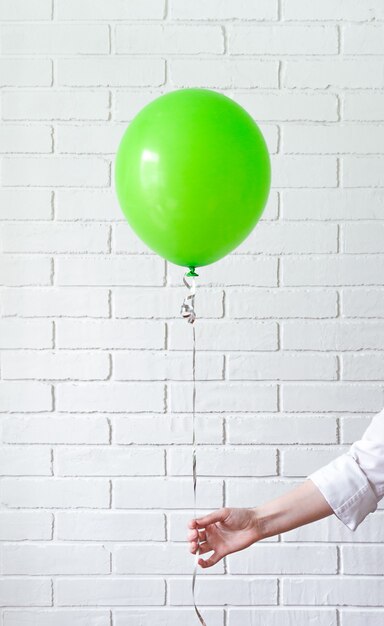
(95, 364)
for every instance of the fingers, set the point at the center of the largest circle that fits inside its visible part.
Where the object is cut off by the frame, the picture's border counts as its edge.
(215, 558)
(217, 516)
(203, 547)
(194, 534)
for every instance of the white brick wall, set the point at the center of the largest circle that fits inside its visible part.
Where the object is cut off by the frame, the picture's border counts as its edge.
(95, 397)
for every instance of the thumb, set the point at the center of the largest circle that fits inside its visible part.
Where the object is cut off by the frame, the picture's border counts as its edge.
(217, 516)
(213, 559)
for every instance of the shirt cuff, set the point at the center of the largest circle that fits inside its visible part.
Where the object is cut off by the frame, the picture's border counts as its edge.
(346, 489)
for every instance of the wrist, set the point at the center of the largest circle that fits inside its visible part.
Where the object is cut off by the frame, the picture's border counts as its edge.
(259, 524)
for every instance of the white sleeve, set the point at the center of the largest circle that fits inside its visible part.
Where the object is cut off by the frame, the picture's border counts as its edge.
(353, 483)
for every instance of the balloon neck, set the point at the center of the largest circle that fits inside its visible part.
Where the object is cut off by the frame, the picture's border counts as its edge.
(192, 271)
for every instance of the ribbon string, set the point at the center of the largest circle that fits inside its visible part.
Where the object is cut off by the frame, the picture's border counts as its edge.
(188, 313)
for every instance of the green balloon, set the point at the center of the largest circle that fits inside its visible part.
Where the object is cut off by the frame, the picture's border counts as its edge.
(192, 175)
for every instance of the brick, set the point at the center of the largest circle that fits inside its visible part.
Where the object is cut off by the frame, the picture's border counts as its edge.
(120, 334)
(309, 171)
(280, 303)
(236, 591)
(332, 204)
(362, 560)
(259, 617)
(109, 71)
(52, 302)
(354, 617)
(286, 429)
(25, 592)
(167, 429)
(219, 10)
(168, 617)
(280, 559)
(25, 72)
(242, 73)
(363, 171)
(225, 396)
(333, 270)
(234, 270)
(55, 559)
(362, 39)
(337, 591)
(54, 39)
(55, 429)
(169, 493)
(52, 237)
(335, 335)
(351, 10)
(363, 107)
(331, 397)
(288, 238)
(56, 172)
(362, 366)
(110, 461)
(152, 559)
(320, 74)
(223, 335)
(55, 105)
(17, 333)
(110, 526)
(25, 204)
(362, 302)
(282, 366)
(277, 40)
(25, 525)
(57, 617)
(25, 139)
(352, 427)
(25, 397)
(290, 106)
(104, 271)
(110, 397)
(19, 270)
(20, 10)
(55, 365)
(223, 461)
(89, 139)
(129, 103)
(84, 204)
(169, 39)
(115, 10)
(147, 365)
(304, 461)
(26, 460)
(349, 138)
(164, 302)
(367, 238)
(53, 493)
(110, 591)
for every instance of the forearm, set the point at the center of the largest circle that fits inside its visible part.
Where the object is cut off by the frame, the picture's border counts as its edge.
(302, 505)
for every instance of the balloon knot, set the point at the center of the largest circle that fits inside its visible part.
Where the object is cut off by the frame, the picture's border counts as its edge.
(192, 271)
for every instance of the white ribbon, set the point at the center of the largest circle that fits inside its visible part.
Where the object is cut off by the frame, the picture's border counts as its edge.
(188, 313)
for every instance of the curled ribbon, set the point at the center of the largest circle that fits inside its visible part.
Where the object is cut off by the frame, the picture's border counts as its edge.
(188, 306)
(188, 313)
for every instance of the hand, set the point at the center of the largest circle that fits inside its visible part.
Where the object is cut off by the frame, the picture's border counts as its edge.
(224, 531)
